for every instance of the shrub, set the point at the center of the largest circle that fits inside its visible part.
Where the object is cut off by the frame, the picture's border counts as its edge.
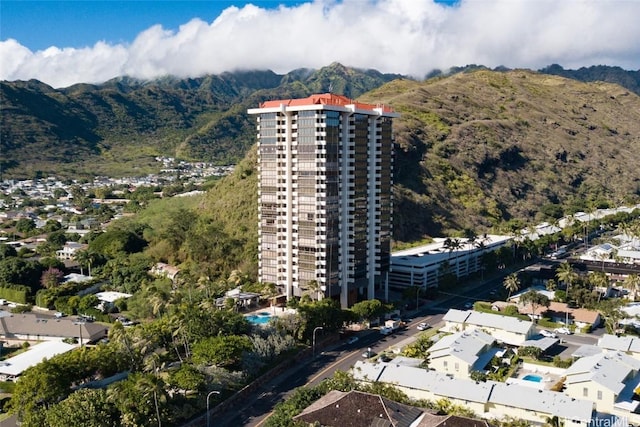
(562, 363)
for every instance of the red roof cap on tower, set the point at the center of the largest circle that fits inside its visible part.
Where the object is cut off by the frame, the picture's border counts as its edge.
(324, 99)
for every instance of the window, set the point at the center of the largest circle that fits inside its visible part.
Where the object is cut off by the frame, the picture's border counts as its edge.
(585, 392)
(445, 364)
(457, 366)
(599, 394)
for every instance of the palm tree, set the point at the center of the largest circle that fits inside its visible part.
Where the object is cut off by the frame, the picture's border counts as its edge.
(599, 280)
(511, 284)
(632, 283)
(566, 274)
(551, 285)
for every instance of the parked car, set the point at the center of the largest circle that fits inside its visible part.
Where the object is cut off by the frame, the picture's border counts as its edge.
(468, 305)
(563, 330)
(423, 326)
(59, 315)
(368, 354)
(548, 334)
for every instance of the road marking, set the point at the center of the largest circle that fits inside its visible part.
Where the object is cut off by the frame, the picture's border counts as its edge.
(318, 375)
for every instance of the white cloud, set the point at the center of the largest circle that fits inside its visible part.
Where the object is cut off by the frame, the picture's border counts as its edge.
(401, 36)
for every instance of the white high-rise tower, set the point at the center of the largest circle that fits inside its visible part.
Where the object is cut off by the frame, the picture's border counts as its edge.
(325, 196)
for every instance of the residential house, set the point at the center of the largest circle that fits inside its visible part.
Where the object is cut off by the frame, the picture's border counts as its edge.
(358, 409)
(13, 367)
(560, 312)
(488, 399)
(609, 380)
(506, 329)
(462, 352)
(629, 345)
(68, 252)
(35, 327)
(165, 270)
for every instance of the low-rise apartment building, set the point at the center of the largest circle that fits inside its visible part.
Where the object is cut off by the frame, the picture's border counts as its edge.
(460, 353)
(506, 329)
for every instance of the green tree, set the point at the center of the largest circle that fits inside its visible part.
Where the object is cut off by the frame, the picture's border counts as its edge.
(222, 351)
(369, 309)
(187, 378)
(25, 225)
(535, 300)
(21, 272)
(566, 274)
(612, 314)
(85, 407)
(57, 239)
(116, 242)
(511, 283)
(7, 251)
(141, 400)
(632, 283)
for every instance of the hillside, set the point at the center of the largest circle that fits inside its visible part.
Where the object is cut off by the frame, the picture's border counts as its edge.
(478, 149)
(117, 128)
(475, 149)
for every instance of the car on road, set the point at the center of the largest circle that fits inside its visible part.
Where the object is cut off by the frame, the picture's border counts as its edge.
(368, 354)
(563, 330)
(548, 334)
(423, 326)
(352, 340)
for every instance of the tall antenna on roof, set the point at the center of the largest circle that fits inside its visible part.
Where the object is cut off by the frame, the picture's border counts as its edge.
(331, 87)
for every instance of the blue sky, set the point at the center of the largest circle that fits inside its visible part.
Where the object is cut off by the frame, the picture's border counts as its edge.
(40, 24)
(66, 42)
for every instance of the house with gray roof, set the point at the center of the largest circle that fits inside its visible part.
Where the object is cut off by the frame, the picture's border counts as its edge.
(506, 329)
(460, 353)
(608, 379)
(37, 327)
(628, 344)
(488, 399)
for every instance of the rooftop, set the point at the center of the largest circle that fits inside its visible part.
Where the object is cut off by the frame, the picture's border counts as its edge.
(15, 365)
(324, 99)
(497, 321)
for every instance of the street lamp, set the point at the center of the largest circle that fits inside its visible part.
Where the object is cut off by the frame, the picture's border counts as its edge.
(80, 323)
(208, 396)
(316, 329)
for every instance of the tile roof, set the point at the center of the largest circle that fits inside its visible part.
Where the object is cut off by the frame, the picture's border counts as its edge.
(324, 99)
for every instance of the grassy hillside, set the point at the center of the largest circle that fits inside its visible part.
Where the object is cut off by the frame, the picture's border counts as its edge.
(476, 150)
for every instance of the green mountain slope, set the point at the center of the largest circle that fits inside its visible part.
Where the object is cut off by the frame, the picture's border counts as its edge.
(117, 128)
(478, 149)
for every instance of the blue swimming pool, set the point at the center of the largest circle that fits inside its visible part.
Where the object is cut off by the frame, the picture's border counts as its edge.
(533, 378)
(259, 318)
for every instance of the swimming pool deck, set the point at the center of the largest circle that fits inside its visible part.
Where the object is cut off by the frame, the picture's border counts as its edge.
(548, 378)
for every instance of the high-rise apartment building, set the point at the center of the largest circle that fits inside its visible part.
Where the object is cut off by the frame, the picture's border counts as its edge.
(325, 196)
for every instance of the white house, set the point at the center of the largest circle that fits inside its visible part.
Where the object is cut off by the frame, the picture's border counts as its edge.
(506, 329)
(609, 380)
(460, 353)
(13, 367)
(629, 345)
(488, 399)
